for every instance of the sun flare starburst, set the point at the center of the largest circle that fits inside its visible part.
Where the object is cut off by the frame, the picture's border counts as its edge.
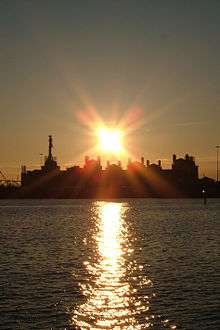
(110, 140)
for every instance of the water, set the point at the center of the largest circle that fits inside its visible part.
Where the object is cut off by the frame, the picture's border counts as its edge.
(131, 264)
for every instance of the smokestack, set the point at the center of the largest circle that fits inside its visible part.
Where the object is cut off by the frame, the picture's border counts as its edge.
(86, 160)
(148, 162)
(50, 147)
(174, 158)
(159, 163)
(23, 169)
(142, 160)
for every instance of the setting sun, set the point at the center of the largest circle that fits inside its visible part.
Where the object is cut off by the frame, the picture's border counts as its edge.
(110, 140)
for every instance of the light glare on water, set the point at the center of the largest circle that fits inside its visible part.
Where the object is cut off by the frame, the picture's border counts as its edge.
(112, 301)
(134, 264)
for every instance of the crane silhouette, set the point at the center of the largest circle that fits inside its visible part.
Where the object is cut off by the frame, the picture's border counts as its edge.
(4, 179)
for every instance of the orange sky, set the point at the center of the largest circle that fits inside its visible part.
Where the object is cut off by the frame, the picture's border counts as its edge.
(151, 68)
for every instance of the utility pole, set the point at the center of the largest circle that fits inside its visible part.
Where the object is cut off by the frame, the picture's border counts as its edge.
(217, 148)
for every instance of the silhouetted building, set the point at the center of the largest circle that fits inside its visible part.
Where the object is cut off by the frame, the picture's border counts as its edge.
(49, 170)
(185, 168)
(138, 180)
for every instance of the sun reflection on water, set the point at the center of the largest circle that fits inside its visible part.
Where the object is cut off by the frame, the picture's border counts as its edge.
(110, 237)
(111, 294)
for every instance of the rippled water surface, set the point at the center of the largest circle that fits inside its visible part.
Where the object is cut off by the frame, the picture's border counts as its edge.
(130, 264)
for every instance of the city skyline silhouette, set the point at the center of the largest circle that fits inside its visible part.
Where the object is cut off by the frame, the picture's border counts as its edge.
(139, 179)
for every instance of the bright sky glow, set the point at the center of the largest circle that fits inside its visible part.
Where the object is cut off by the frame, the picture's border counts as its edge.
(110, 140)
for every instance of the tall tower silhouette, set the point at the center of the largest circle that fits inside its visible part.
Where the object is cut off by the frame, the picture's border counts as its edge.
(50, 157)
(50, 162)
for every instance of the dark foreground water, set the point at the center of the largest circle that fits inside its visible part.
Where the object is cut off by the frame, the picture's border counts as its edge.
(131, 264)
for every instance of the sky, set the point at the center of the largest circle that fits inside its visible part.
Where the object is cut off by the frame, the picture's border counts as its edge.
(149, 66)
